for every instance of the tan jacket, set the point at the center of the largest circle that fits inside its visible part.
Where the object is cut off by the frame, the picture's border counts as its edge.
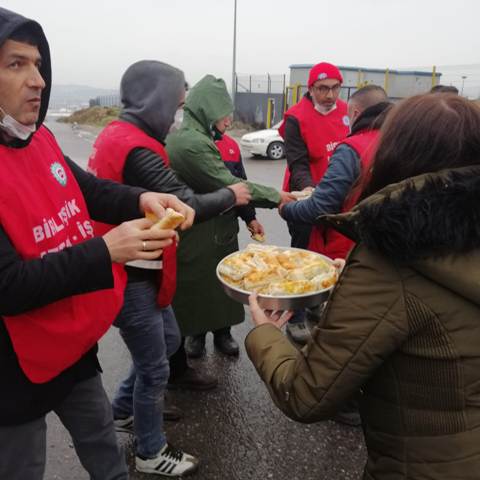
(401, 327)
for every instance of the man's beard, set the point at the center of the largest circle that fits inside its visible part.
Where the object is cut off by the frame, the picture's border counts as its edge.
(324, 109)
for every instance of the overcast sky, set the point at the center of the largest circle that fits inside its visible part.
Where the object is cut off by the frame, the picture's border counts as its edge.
(93, 42)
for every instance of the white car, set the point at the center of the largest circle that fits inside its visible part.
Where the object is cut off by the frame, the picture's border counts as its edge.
(266, 143)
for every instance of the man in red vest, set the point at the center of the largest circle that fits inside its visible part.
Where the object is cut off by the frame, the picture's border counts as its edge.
(340, 187)
(366, 108)
(60, 286)
(131, 150)
(312, 128)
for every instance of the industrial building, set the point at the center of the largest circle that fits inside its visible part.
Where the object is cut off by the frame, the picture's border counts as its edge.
(397, 83)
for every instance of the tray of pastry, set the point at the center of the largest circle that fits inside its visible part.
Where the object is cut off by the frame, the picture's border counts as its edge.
(285, 278)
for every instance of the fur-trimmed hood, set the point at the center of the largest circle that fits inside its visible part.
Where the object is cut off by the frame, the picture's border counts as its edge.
(431, 222)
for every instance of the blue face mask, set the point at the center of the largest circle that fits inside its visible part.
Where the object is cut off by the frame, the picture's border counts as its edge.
(14, 128)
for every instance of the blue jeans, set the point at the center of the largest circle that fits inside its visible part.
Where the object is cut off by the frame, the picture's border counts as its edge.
(151, 334)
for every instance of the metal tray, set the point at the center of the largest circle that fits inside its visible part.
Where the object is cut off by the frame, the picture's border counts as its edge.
(271, 302)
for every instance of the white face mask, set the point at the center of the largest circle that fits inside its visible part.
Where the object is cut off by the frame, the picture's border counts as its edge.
(14, 128)
(177, 121)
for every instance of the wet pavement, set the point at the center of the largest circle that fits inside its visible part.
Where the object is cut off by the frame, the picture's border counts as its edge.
(235, 430)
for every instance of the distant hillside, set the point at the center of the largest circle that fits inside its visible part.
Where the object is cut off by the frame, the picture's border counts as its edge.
(94, 116)
(73, 97)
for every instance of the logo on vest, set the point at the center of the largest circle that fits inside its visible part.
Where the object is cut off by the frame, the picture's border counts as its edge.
(231, 151)
(59, 173)
(346, 121)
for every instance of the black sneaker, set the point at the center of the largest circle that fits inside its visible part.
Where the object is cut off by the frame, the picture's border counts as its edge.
(171, 413)
(352, 419)
(169, 462)
(195, 346)
(192, 379)
(226, 343)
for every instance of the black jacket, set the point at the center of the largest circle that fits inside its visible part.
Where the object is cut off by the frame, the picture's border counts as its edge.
(246, 212)
(296, 152)
(144, 168)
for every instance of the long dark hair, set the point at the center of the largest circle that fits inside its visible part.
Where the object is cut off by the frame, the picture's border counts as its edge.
(422, 134)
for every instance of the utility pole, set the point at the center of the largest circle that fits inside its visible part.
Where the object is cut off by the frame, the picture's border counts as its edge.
(234, 74)
(463, 83)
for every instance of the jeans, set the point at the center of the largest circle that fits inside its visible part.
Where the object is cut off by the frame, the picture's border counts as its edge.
(152, 335)
(87, 415)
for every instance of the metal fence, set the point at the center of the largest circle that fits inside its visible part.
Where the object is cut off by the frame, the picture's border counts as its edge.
(261, 100)
(266, 83)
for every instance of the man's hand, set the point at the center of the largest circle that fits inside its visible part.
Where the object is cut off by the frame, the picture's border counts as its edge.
(134, 240)
(285, 197)
(261, 317)
(256, 228)
(339, 264)
(158, 202)
(242, 193)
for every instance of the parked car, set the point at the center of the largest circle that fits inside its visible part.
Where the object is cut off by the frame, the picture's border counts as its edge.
(265, 143)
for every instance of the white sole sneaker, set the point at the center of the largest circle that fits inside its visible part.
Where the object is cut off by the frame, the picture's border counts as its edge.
(170, 462)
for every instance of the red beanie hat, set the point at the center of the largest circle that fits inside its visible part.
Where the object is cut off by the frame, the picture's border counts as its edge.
(324, 70)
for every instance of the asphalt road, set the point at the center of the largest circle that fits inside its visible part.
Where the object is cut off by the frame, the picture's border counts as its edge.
(235, 430)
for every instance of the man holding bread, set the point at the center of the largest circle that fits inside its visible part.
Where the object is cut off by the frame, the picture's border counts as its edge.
(131, 150)
(60, 286)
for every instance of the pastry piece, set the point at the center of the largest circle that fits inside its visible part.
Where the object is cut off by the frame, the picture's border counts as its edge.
(307, 272)
(170, 221)
(258, 237)
(234, 268)
(325, 280)
(302, 195)
(298, 287)
(257, 280)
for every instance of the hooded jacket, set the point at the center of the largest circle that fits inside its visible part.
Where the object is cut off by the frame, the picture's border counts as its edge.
(402, 326)
(11, 22)
(200, 304)
(82, 268)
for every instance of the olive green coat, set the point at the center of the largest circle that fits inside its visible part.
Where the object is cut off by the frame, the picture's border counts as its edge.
(403, 328)
(200, 303)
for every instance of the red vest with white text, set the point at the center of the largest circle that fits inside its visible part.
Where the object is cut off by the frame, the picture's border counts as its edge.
(327, 240)
(42, 210)
(110, 152)
(321, 134)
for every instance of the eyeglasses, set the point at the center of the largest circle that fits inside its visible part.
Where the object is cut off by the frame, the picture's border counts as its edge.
(325, 90)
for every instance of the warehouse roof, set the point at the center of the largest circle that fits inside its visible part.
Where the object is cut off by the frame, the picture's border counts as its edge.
(298, 66)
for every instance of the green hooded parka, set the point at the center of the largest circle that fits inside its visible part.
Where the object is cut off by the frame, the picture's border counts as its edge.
(200, 303)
